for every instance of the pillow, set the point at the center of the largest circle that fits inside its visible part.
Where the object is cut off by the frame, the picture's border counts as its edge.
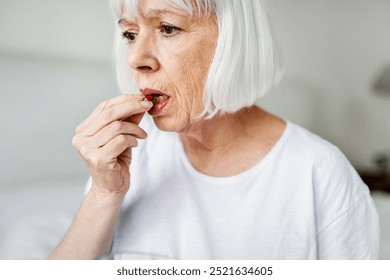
(35, 217)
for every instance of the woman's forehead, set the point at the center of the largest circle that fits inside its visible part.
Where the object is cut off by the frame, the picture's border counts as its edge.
(148, 8)
(136, 8)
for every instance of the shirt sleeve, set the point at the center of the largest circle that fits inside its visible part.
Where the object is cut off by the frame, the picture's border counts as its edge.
(347, 222)
(353, 235)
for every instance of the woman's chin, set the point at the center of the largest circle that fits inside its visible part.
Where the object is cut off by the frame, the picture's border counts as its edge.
(171, 123)
(175, 120)
(165, 123)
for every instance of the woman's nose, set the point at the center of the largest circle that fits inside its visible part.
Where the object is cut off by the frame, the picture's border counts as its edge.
(141, 55)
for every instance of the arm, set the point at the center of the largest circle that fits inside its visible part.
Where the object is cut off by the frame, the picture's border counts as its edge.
(104, 140)
(90, 235)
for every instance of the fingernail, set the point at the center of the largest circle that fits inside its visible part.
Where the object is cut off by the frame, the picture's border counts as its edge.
(146, 104)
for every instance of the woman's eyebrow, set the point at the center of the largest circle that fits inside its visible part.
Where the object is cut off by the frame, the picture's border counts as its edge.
(122, 22)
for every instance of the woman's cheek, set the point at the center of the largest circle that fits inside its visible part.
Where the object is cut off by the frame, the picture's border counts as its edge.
(193, 78)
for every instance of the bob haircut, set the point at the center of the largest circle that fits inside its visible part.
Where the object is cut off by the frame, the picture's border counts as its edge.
(245, 65)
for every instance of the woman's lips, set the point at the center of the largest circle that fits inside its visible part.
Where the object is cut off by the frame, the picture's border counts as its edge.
(158, 108)
(156, 98)
(159, 99)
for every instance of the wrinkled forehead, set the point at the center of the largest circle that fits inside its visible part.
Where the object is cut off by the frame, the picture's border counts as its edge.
(134, 8)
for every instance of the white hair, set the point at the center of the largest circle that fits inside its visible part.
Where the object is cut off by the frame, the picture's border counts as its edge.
(245, 65)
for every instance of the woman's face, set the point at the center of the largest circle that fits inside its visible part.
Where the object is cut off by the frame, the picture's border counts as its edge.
(170, 53)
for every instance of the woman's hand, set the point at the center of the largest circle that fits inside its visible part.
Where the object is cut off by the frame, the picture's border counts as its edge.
(105, 140)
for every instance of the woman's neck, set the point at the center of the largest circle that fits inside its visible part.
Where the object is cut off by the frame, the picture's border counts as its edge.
(232, 143)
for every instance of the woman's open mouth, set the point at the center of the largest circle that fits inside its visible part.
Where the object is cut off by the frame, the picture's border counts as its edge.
(159, 99)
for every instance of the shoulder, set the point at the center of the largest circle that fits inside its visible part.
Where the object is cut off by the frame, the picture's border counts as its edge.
(324, 156)
(329, 162)
(346, 218)
(308, 143)
(337, 187)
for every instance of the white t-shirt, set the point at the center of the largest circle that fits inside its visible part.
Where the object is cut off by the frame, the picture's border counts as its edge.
(302, 201)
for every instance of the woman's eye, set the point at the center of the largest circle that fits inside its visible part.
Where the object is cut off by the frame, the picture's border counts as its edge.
(169, 30)
(129, 36)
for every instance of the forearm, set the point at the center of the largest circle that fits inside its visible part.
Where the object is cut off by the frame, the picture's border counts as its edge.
(91, 233)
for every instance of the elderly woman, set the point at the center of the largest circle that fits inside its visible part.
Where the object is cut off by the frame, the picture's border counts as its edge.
(215, 176)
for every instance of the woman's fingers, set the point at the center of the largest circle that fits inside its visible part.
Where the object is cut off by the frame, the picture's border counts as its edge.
(135, 118)
(117, 112)
(114, 101)
(102, 157)
(119, 108)
(114, 129)
(119, 144)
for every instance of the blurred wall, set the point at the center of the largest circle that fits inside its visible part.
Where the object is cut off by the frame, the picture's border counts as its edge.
(333, 52)
(42, 101)
(55, 66)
